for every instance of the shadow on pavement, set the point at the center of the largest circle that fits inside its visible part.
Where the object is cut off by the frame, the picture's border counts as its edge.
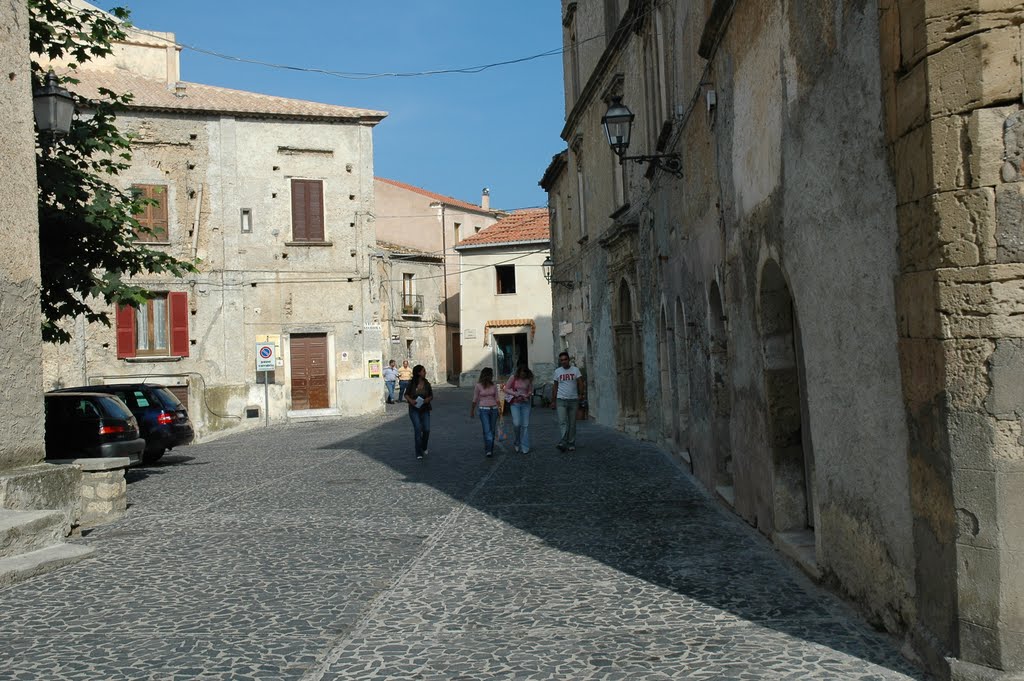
(626, 505)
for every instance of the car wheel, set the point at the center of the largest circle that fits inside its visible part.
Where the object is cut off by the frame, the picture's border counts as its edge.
(152, 457)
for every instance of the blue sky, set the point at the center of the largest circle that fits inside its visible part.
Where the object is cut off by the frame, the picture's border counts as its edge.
(452, 133)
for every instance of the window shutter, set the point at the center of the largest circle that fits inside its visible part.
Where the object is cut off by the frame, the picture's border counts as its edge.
(307, 210)
(315, 211)
(299, 217)
(124, 321)
(177, 304)
(158, 213)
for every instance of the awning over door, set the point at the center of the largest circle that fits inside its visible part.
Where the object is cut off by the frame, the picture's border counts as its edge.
(505, 323)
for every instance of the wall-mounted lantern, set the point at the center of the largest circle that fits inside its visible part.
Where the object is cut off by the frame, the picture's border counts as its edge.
(618, 126)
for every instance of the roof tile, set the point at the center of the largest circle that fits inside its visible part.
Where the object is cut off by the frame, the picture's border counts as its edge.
(528, 224)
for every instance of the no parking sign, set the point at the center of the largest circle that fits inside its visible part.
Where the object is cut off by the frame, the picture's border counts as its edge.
(265, 356)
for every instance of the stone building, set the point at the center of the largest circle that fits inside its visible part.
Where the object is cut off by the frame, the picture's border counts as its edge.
(506, 303)
(430, 224)
(821, 312)
(273, 199)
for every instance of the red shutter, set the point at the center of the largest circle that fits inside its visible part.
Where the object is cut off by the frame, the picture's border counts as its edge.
(177, 304)
(124, 321)
(158, 213)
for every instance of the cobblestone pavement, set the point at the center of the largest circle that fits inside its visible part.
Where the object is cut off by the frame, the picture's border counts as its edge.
(326, 551)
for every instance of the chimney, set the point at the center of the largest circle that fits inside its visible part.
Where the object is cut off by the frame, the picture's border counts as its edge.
(179, 89)
(485, 200)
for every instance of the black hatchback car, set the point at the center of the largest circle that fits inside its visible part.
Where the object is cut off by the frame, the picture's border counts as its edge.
(89, 424)
(163, 419)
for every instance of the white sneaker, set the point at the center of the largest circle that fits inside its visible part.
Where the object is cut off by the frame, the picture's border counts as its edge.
(426, 451)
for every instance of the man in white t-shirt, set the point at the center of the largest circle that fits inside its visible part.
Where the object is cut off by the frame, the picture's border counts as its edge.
(566, 392)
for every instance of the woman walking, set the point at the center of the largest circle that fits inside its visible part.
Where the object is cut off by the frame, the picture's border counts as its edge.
(419, 395)
(485, 401)
(519, 394)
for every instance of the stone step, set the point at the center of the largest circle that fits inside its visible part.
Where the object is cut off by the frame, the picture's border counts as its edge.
(26, 531)
(27, 565)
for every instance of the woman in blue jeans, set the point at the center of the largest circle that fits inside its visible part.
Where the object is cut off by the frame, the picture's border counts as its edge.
(518, 394)
(485, 401)
(419, 396)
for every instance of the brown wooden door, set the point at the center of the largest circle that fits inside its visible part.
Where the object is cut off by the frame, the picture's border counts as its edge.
(456, 369)
(309, 371)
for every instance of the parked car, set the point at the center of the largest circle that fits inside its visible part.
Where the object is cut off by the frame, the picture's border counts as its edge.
(89, 424)
(163, 419)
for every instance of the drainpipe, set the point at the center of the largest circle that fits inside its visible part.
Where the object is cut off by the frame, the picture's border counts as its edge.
(444, 270)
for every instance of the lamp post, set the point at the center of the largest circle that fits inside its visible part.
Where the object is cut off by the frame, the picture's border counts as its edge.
(53, 106)
(618, 126)
(548, 265)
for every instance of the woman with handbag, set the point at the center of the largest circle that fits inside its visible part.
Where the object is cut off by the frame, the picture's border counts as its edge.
(419, 395)
(519, 395)
(485, 401)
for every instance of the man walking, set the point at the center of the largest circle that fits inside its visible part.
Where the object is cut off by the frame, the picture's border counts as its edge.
(566, 392)
(390, 379)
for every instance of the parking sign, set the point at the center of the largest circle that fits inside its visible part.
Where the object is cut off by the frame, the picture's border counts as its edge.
(265, 356)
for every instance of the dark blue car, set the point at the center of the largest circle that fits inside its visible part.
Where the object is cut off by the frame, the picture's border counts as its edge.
(163, 419)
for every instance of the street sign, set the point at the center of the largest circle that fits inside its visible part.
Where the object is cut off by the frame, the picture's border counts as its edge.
(265, 356)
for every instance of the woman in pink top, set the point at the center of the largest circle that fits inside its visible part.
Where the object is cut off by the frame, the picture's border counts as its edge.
(519, 393)
(485, 401)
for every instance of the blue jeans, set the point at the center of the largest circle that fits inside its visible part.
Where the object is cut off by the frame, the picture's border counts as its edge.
(521, 425)
(420, 428)
(391, 390)
(567, 421)
(488, 419)
(402, 387)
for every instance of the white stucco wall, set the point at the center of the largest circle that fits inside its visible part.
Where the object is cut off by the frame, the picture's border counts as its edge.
(481, 303)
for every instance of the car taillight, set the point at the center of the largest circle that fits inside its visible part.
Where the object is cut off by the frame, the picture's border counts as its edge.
(164, 418)
(110, 430)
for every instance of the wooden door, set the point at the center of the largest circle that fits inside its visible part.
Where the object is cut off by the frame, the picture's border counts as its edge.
(309, 371)
(456, 369)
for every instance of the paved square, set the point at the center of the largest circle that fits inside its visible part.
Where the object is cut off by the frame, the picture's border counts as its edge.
(326, 551)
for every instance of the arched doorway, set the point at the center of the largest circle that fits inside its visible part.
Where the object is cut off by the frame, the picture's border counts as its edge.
(792, 460)
(628, 357)
(681, 361)
(721, 404)
(666, 363)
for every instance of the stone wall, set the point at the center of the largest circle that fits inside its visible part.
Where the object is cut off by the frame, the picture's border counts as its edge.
(952, 74)
(21, 429)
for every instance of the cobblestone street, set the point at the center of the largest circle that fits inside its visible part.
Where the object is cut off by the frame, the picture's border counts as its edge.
(326, 551)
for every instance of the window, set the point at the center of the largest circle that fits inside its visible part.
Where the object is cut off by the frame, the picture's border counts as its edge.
(476, 228)
(246, 216)
(159, 327)
(580, 204)
(308, 210)
(153, 218)
(506, 277)
(458, 229)
(412, 304)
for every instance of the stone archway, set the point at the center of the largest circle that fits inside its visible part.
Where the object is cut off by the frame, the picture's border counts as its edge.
(681, 394)
(666, 375)
(721, 404)
(792, 460)
(628, 357)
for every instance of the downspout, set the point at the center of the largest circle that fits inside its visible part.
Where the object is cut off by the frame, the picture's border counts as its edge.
(444, 271)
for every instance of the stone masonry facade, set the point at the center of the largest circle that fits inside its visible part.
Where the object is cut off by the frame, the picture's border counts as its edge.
(822, 313)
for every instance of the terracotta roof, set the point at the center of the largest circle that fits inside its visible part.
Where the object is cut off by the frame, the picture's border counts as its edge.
(153, 94)
(441, 198)
(526, 225)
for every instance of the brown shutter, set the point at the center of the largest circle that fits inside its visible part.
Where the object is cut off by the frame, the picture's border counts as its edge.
(307, 210)
(124, 320)
(158, 213)
(177, 305)
(315, 214)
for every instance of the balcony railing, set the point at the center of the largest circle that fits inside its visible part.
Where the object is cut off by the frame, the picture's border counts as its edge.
(412, 306)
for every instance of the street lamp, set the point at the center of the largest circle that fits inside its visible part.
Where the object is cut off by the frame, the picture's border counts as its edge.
(53, 106)
(548, 265)
(618, 125)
